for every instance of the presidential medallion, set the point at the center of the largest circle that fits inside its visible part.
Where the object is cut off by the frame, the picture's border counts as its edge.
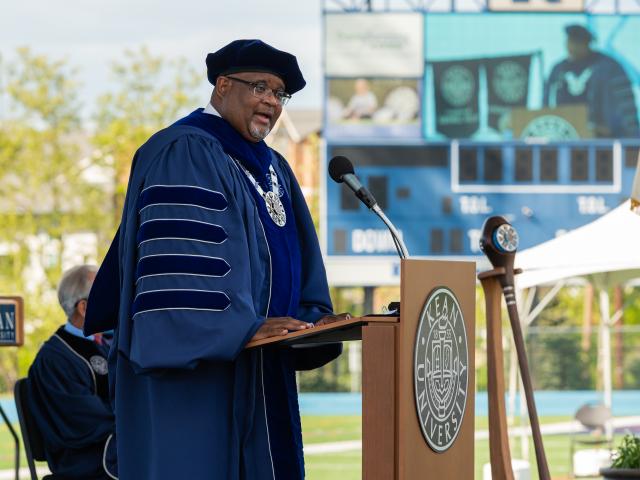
(440, 369)
(275, 208)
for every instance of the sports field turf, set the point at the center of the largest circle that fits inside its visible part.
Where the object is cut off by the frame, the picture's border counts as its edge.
(347, 465)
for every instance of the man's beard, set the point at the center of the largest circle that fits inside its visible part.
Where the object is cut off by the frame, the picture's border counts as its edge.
(259, 133)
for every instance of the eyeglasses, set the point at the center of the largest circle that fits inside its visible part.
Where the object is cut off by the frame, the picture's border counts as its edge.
(261, 91)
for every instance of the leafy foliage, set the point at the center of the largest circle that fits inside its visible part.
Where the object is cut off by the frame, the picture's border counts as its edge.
(627, 455)
(45, 192)
(150, 94)
(57, 178)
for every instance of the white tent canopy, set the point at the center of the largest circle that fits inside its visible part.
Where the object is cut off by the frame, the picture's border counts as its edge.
(605, 252)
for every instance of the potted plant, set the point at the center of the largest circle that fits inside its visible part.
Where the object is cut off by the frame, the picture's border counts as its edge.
(626, 460)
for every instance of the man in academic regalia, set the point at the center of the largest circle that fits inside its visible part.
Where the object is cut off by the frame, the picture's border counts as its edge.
(216, 247)
(68, 391)
(596, 80)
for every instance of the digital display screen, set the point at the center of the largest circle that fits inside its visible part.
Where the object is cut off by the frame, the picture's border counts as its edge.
(557, 77)
(373, 107)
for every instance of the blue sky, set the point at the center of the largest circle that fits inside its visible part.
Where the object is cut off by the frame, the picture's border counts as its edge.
(91, 33)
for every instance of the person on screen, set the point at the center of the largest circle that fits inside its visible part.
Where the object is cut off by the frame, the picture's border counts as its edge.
(216, 248)
(68, 391)
(592, 78)
(363, 103)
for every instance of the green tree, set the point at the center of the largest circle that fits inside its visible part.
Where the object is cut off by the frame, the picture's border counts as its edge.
(45, 191)
(556, 358)
(150, 92)
(45, 156)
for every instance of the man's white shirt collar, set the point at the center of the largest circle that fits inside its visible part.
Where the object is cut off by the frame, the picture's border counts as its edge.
(211, 111)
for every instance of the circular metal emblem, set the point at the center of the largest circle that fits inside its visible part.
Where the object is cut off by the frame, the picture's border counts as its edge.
(550, 127)
(99, 364)
(440, 369)
(510, 81)
(457, 85)
(275, 209)
(506, 238)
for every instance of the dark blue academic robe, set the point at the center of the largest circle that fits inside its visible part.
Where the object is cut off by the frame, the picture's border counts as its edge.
(601, 83)
(69, 401)
(195, 275)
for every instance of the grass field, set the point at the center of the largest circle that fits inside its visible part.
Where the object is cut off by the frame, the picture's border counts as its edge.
(347, 465)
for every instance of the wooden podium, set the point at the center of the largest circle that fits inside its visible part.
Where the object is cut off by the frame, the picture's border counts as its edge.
(417, 381)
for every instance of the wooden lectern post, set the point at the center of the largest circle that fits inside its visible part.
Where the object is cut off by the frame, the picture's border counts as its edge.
(499, 451)
(417, 375)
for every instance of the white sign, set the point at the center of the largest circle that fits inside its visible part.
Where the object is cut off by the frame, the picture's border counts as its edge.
(474, 205)
(381, 45)
(592, 205)
(372, 240)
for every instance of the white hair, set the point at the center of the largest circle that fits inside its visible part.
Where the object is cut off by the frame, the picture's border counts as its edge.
(75, 285)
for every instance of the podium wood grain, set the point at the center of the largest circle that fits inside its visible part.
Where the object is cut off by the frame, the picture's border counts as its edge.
(379, 390)
(416, 460)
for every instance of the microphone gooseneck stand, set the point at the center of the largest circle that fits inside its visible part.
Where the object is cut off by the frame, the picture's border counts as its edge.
(499, 243)
(341, 171)
(397, 239)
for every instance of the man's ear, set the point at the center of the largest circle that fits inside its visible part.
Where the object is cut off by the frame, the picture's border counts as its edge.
(82, 307)
(222, 87)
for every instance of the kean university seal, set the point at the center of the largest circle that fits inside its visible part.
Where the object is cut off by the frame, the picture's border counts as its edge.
(440, 369)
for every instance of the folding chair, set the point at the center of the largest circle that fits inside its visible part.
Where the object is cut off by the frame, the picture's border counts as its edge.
(31, 436)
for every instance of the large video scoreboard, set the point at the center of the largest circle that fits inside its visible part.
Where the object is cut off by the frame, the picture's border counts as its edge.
(452, 117)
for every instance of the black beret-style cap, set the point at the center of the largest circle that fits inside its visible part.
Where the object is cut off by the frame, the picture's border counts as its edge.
(255, 56)
(579, 32)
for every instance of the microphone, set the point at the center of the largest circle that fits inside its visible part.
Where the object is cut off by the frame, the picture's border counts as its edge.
(341, 171)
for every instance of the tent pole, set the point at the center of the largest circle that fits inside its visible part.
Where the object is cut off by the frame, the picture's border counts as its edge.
(545, 301)
(605, 351)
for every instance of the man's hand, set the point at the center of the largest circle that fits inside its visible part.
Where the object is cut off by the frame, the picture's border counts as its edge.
(276, 326)
(327, 319)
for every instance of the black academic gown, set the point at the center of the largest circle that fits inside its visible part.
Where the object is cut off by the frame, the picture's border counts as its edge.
(69, 401)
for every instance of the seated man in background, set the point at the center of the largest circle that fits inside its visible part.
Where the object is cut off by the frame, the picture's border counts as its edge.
(68, 389)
